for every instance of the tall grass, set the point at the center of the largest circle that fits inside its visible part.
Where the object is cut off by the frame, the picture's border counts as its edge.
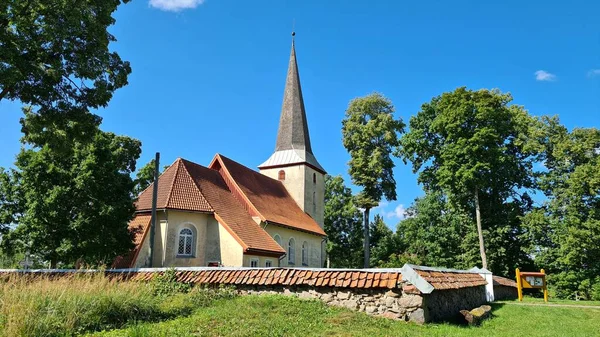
(71, 305)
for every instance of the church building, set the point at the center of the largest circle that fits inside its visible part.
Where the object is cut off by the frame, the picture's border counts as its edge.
(226, 214)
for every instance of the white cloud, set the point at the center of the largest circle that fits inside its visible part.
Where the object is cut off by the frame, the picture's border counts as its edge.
(175, 5)
(542, 75)
(398, 212)
(594, 72)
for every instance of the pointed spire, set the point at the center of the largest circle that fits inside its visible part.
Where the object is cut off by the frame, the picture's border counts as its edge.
(293, 127)
(293, 140)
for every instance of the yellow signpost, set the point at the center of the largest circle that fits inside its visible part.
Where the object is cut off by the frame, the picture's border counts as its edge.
(530, 279)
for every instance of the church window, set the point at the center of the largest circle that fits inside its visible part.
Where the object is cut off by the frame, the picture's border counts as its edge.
(186, 240)
(254, 263)
(314, 204)
(281, 175)
(305, 253)
(268, 263)
(314, 178)
(291, 251)
(278, 239)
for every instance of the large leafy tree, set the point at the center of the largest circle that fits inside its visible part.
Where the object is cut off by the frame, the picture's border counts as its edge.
(72, 203)
(342, 225)
(566, 228)
(371, 135)
(474, 146)
(55, 56)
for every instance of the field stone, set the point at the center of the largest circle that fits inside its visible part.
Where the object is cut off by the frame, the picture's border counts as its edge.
(350, 304)
(343, 295)
(410, 301)
(417, 316)
(370, 309)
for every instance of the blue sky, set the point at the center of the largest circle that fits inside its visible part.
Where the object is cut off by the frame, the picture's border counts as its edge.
(208, 76)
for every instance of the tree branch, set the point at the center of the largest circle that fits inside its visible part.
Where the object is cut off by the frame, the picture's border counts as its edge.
(4, 92)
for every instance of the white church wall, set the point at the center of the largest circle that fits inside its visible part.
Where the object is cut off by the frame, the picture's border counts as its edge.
(316, 211)
(230, 250)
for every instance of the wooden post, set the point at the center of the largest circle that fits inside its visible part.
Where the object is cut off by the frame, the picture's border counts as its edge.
(519, 285)
(153, 214)
(545, 286)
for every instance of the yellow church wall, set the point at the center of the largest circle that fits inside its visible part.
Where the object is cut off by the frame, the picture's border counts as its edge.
(315, 246)
(222, 247)
(294, 181)
(314, 195)
(166, 245)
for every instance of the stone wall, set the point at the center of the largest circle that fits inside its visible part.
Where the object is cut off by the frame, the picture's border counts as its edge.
(505, 293)
(445, 305)
(390, 303)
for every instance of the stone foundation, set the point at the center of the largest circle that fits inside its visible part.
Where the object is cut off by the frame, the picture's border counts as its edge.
(390, 303)
(446, 305)
(505, 293)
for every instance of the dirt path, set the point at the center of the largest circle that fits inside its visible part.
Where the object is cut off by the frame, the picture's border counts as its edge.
(555, 305)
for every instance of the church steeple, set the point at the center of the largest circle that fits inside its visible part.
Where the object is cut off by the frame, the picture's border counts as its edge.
(293, 162)
(293, 128)
(293, 139)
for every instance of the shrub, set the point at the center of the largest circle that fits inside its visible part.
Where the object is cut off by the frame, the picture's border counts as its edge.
(167, 284)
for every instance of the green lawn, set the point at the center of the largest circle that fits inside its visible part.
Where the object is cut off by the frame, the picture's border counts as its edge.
(534, 300)
(285, 316)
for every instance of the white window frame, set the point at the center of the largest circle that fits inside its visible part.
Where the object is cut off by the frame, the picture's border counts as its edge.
(187, 238)
(291, 251)
(269, 262)
(305, 253)
(254, 261)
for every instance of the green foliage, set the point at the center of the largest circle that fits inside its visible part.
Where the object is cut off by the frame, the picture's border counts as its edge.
(434, 234)
(144, 177)
(476, 148)
(565, 230)
(55, 56)
(342, 225)
(167, 283)
(71, 198)
(384, 242)
(370, 134)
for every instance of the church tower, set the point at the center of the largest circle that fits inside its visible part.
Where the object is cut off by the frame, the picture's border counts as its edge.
(293, 162)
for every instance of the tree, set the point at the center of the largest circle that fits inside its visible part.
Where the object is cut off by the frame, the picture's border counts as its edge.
(565, 230)
(75, 204)
(475, 147)
(434, 233)
(384, 241)
(145, 176)
(55, 56)
(342, 225)
(371, 136)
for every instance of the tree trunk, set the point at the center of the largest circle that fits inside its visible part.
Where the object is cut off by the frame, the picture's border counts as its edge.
(480, 231)
(53, 263)
(4, 92)
(366, 245)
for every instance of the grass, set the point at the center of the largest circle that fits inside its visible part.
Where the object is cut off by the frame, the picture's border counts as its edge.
(286, 316)
(536, 300)
(78, 304)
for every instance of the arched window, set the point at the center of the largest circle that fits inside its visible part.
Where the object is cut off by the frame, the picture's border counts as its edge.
(281, 175)
(277, 239)
(305, 253)
(314, 178)
(314, 202)
(291, 251)
(186, 242)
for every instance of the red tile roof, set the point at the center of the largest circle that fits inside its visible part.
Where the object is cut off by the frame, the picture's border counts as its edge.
(321, 277)
(176, 190)
(266, 196)
(139, 226)
(229, 212)
(446, 279)
(502, 281)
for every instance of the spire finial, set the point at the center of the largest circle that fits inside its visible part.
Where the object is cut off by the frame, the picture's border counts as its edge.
(293, 29)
